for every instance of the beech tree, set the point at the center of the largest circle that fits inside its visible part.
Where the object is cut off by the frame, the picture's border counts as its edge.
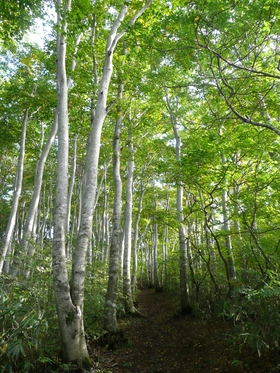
(70, 299)
(196, 87)
(110, 313)
(184, 286)
(17, 191)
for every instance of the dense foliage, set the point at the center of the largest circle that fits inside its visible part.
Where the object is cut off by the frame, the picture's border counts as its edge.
(209, 69)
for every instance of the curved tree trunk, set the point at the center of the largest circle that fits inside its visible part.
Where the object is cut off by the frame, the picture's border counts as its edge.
(70, 299)
(92, 159)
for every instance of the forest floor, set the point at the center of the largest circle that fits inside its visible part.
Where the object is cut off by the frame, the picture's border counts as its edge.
(162, 342)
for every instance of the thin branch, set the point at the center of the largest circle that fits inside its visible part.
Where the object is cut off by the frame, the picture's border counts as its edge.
(251, 70)
(245, 118)
(131, 23)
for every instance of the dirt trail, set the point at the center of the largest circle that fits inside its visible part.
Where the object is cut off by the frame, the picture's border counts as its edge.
(164, 343)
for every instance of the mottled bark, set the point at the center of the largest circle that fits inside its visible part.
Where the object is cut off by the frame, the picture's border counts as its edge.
(70, 312)
(110, 314)
(91, 169)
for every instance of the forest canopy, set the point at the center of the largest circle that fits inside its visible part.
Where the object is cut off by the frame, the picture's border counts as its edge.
(139, 148)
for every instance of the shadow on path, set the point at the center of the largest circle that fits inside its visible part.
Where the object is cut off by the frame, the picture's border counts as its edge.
(164, 343)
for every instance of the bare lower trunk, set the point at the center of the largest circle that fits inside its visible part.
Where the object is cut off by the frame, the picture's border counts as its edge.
(135, 238)
(70, 312)
(127, 291)
(184, 287)
(92, 159)
(155, 249)
(155, 256)
(110, 314)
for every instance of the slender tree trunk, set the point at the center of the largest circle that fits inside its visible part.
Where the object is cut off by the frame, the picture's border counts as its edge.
(105, 239)
(143, 256)
(135, 238)
(93, 149)
(165, 244)
(70, 312)
(184, 287)
(155, 247)
(226, 223)
(28, 231)
(91, 168)
(127, 291)
(17, 192)
(92, 159)
(110, 314)
(155, 256)
(9, 253)
(72, 182)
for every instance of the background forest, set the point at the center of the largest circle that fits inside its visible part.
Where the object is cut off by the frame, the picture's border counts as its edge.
(139, 148)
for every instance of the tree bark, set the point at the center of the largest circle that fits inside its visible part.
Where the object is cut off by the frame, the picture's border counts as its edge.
(26, 248)
(226, 224)
(72, 182)
(135, 238)
(155, 256)
(127, 291)
(155, 249)
(91, 168)
(184, 287)
(17, 192)
(91, 171)
(110, 314)
(70, 312)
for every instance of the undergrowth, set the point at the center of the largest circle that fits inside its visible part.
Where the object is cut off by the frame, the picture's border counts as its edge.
(255, 314)
(29, 333)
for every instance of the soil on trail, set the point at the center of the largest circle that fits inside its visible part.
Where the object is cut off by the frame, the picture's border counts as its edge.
(164, 343)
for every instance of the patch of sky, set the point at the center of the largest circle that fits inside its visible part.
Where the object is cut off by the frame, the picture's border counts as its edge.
(42, 28)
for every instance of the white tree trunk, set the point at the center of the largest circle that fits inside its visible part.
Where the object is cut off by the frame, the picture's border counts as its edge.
(28, 230)
(91, 170)
(72, 182)
(165, 244)
(226, 223)
(70, 316)
(127, 291)
(17, 192)
(184, 287)
(155, 255)
(110, 314)
(135, 238)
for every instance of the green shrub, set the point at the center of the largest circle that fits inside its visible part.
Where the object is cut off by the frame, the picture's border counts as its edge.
(28, 325)
(256, 315)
